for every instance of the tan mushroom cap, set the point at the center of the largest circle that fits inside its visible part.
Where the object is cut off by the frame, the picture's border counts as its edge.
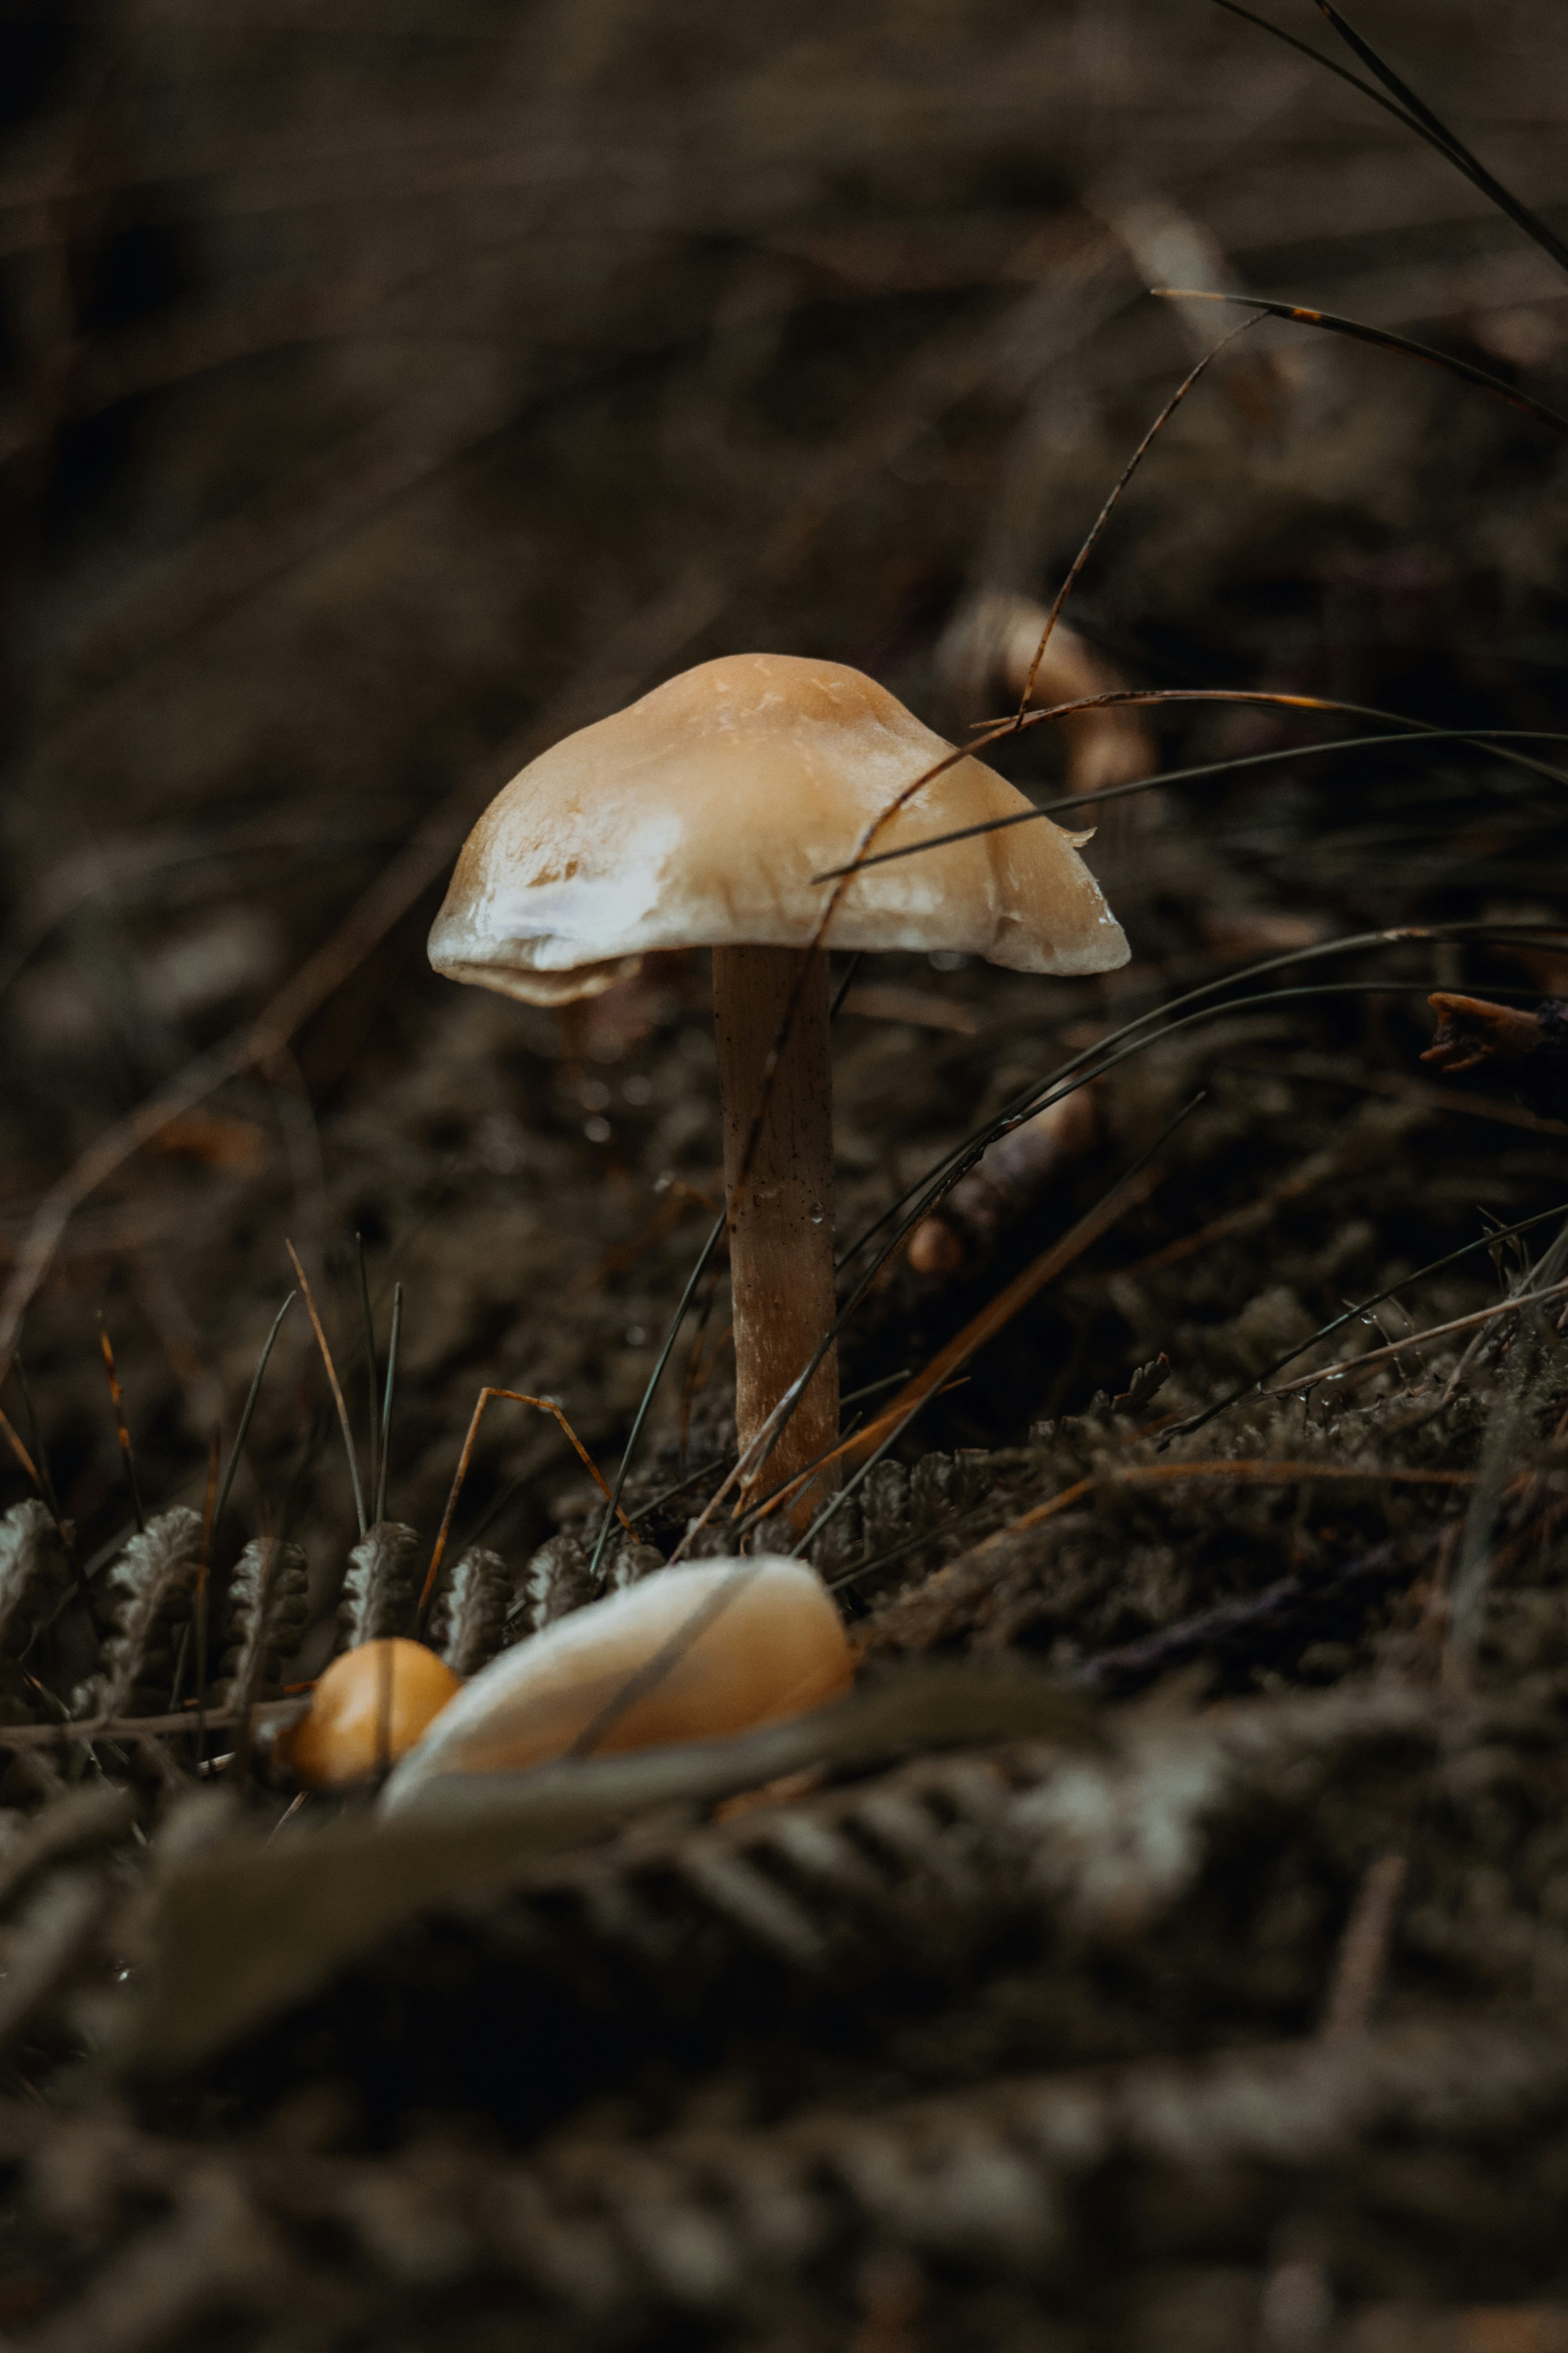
(697, 817)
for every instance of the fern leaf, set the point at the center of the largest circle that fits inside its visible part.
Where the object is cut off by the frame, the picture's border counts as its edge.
(381, 1591)
(468, 1621)
(150, 1595)
(630, 1563)
(268, 1601)
(556, 1580)
(33, 1575)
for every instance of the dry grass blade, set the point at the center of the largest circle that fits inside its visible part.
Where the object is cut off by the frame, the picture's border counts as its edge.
(117, 1401)
(20, 1450)
(1383, 339)
(1238, 1473)
(1205, 768)
(394, 1337)
(1446, 146)
(1421, 117)
(333, 1383)
(541, 1405)
(1098, 528)
(1094, 1061)
(372, 1383)
(751, 1462)
(243, 1432)
(683, 1306)
(1497, 741)
(1196, 1422)
(1356, 1365)
(1362, 1961)
(209, 1501)
(1133, 1188)
(84, 1729)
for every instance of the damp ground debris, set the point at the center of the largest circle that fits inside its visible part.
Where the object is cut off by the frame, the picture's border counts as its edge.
(1166, 1948)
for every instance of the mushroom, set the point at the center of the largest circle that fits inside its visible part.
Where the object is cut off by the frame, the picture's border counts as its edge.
(991, 649)
(697, 818)
(369, 1707)
(690, 1654)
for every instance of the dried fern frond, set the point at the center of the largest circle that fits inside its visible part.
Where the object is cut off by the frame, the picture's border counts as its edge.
(150, 1593)
(33, 1575)
(381, 1591)
(268, 1601)
(1014, 2182)
(629, 1563)
(556, 1580)
(468, 1625)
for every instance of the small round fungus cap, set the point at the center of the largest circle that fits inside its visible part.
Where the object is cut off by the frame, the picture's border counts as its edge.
(697, 816)
(369, 1707)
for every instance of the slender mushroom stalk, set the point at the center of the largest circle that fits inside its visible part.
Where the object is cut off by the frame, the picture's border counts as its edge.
(699, 817)
(778, 1179)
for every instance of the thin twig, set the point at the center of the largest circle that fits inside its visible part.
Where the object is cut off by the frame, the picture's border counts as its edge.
(243, 1432)
(1470, 736)
(1238, 1473)
(1383, 339)
(369, 1361)
(1356, 1365)
(110, 1727)
(543, 1405)
(20, 1450)
(117, 1401)
(203, 1590)
(1127, 1193)
(386, 1395)
(333, 1384)
(1153, 697)
(715, 1236)
(1362, 1961)
(1098, 528)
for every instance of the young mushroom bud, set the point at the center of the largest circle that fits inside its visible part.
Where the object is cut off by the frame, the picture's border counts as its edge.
(369, 1708)
(965, 1226)
(698, 817)
(987, 655)
(689, 1654)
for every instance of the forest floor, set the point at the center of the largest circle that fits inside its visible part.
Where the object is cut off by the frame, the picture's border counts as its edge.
(1168, 1946)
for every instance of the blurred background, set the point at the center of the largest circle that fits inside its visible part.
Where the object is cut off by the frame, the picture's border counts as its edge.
(390, 389)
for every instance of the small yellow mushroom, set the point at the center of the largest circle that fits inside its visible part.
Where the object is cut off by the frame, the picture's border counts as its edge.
(689, 1655)
(369, 1707)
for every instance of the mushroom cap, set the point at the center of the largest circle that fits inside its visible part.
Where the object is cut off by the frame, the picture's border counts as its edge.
(370, 1706)
(697, 817)
(749, 1642)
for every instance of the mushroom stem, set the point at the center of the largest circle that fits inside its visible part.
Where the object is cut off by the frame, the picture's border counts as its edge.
(781, 1209)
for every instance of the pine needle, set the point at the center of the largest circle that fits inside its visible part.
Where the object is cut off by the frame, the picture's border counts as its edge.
(542, 1405)
(117, 1400)
(333, 1384)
